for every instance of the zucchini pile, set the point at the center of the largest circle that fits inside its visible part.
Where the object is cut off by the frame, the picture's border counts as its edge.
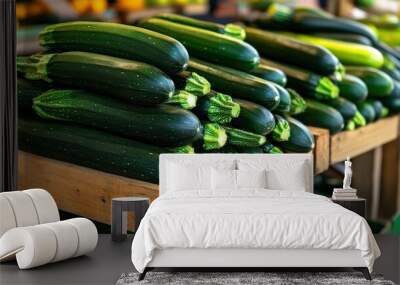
(113, 97)
(348, 73)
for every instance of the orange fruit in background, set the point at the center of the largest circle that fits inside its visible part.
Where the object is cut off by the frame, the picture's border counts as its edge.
(130, 5)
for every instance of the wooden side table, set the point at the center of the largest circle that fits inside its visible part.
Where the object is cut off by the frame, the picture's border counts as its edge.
(358, 205)
(119, 208)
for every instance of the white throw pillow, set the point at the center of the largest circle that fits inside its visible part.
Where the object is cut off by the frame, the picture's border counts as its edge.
(283, 174)
(276, 180)
(251, 178)
(188, 177)
(223, 179)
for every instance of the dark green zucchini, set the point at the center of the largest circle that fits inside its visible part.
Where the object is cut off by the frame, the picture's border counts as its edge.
(217, 108)
(239, 137)
(270, 74)
(27, 90)
(90, 148)
(353, 88)
(322, 116)
(298, 104)
(300, 140)
(379, 84)
(248, 149)
(162, 125)
(117, 40)
(135, 82)
(184, 99)
(313, 24)
(232, 30)
(254, 118)
(367, 110)
(351, 38)
(294, 52)
(237, 84)
(378, 107)
(207, 45)
(187, 149)
(281, 132)
(284, 100)
(392, 103)
(307, 83)
(396, 90)
(345, 107)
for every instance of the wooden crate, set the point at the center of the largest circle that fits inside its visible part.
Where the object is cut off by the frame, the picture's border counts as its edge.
(79, 190)
(362, 140)
(321, 150)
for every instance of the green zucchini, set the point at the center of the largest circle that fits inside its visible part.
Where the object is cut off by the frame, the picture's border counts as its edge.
(396, 90)
(90, 148)
(239, 137)
(392, 103)
(322, 116)
(298, 104)
(248, 149)
(27, 90)
(379, 84)
(117, 40)
(367, 110)
(351, 38)
(284, 100)
(345, 107)
(347, 53)
(294, 52)
(307, 83)
(300, 140)
(135, 82)
(162, 125)
(217, 108)
(378, 107)
(353, 88)
(232, 30)
(281, 132)
(313, 24)
(254, 118)
(208, 45)
(270, 148)
(237, 84)
(359, 120)
(270, 74)
(185, 99)
(192, 83)
(391, 66)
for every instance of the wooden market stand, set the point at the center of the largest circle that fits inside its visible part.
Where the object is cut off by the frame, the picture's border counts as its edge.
(88, 193)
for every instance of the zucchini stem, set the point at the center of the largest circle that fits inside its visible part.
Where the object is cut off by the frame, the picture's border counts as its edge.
(222, 109)
(214, 136)
(188, 149)
(183, 98)
(279, 13)
(34, 67)
(244, 138)
(270, 148)
(298, 104)
(350, 126)
(281, 131)
(235, 31)
(194, 83)
(359, 120)
(326, 89)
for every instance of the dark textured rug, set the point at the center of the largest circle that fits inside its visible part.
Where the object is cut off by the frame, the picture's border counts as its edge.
(253, 278)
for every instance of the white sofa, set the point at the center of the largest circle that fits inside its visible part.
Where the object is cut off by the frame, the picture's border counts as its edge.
(31, 231)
